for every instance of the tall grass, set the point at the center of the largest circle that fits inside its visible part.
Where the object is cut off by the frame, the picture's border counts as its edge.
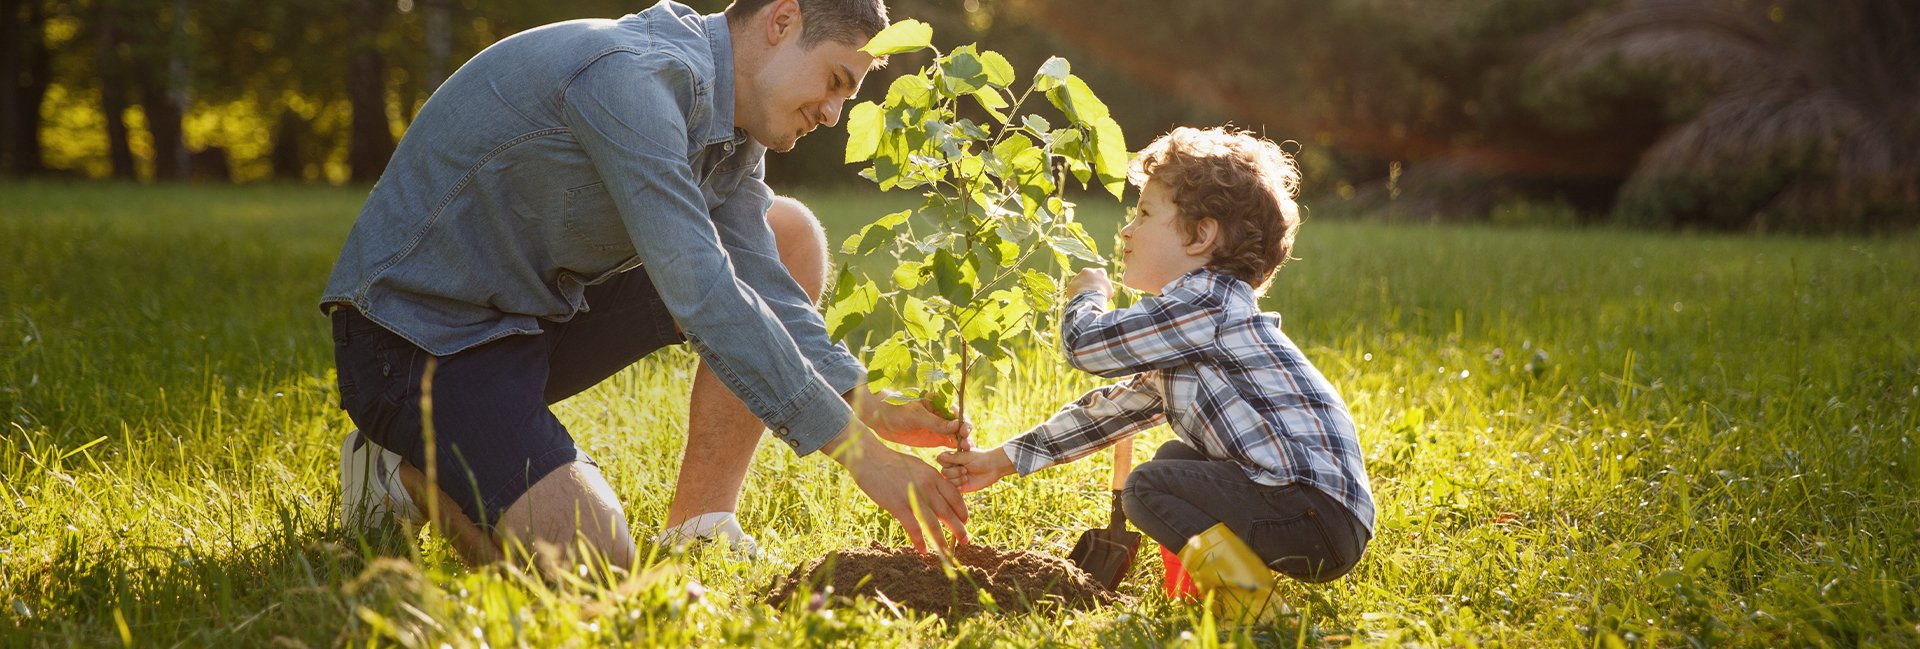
(1577, 437)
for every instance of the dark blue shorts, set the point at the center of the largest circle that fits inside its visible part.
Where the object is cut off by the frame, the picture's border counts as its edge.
(494, 433)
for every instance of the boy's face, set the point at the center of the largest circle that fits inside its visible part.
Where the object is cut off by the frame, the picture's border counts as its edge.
(1154, 247)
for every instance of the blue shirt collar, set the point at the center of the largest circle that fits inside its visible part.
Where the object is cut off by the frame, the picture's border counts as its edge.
(720, 39)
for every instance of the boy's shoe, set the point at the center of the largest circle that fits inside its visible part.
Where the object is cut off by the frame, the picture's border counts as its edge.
(370, 489)
(1222, 565)
(710, 527)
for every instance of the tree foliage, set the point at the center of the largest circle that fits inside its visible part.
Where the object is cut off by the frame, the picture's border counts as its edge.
(963, 284)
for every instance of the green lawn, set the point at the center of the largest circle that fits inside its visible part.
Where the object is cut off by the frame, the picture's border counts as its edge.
(1587, 438)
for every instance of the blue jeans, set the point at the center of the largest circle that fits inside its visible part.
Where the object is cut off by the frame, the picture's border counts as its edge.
(1296, 529)
(494, 432)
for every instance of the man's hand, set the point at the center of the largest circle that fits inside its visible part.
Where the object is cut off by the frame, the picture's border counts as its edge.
(1090, 279)
(902, 485)
(975, 470)
(911, 424)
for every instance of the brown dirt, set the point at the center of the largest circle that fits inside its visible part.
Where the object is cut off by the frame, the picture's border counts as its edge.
(1016, 580)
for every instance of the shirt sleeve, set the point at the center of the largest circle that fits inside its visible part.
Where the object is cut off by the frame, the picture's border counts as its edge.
(630, 112)
(1157, 333)
(749, 241)
(1090, 423)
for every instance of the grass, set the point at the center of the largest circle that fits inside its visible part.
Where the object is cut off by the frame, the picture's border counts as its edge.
(1577, 438)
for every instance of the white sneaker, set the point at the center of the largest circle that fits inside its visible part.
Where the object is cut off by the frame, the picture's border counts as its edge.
(370, 488)
(709, 527)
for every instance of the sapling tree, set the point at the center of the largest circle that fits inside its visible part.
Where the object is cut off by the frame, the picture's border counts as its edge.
(966, 283)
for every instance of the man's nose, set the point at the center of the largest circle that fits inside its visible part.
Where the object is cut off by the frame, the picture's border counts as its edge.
(830, 112)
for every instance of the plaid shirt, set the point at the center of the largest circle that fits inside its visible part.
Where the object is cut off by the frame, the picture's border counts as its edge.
(1204, 358)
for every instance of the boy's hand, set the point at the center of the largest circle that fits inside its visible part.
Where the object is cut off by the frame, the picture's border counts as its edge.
(975, 470)
(1091, 279)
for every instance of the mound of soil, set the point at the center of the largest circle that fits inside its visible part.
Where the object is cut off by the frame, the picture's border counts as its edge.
(1016, 580)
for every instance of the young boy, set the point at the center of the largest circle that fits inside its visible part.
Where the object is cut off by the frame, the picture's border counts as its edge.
(1267, 472)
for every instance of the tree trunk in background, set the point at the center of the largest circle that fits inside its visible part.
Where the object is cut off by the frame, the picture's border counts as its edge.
(10, 45)
(163, 122)
(163, 96)
(287, 163)
(27, 66)
(372, 140)
(113, 89)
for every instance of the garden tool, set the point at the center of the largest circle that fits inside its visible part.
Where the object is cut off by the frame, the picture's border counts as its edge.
(1222, 565)
(1107, 553)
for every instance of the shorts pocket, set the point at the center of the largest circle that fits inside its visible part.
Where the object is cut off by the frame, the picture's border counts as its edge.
(1299, 547)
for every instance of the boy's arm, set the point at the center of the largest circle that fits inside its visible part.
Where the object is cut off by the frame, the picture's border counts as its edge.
(1158, 332)
(1090, 423)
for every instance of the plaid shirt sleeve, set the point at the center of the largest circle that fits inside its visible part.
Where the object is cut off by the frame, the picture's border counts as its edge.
(1090, 423)
(1157, 333)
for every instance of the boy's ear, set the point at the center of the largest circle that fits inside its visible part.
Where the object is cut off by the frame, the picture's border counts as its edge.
(1206, 234)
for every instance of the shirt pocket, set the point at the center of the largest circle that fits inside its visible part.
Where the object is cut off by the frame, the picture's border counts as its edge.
(591, 222)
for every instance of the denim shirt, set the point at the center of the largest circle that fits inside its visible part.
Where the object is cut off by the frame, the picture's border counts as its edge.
(566, 154)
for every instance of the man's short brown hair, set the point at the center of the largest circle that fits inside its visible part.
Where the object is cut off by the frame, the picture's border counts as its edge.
(848, 22)
(1244, 182)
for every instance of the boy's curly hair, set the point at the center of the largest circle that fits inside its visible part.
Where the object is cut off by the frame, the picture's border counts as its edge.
(1242, 181)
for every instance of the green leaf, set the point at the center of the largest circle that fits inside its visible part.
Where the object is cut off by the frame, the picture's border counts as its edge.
(999, 72)
(890, 361)
(1075, 246)
(1110, 155)
(962, 73)
(910, 91)
(907, 274)
(992, 102)
(1033, 122)
(1077, 100)
(848, 312)
(875, 234)
(1014, 230)
(1052, 73)
(904, 36)
(865, 123)
(951, 278)
(918, 319)
(981, 323)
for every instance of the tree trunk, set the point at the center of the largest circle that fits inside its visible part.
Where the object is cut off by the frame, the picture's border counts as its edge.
(10, 46)
(163, 122)
(113, 89)
(163, 96)
(288, 164)
(372, 140)
(27, 66)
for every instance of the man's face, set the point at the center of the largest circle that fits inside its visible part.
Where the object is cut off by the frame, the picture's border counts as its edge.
(803, 88)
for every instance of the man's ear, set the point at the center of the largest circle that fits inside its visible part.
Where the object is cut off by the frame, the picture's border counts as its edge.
(1206, 234)
(783, 21)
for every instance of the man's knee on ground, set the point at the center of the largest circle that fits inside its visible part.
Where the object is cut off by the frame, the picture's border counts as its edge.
(574, 502)
(802, 243)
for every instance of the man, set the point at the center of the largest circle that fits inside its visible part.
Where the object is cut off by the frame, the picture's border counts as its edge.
(571, 199)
